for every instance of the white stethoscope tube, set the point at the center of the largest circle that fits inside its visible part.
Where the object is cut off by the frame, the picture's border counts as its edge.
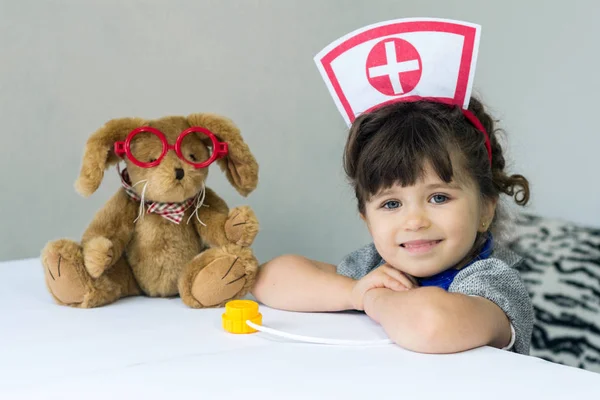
(312, 339)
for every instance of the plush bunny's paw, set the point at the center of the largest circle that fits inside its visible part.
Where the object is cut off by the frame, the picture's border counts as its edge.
(98, 255)
(242, 226)
(217, 276)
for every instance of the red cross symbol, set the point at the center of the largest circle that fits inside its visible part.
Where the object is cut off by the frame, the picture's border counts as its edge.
(394, 67)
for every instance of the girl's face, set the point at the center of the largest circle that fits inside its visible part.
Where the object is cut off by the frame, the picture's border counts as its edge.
(428, 227)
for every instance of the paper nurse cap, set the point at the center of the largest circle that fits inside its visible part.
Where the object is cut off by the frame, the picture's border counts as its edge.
(402, 60)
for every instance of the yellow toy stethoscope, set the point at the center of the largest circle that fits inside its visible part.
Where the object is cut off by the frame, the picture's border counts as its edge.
(243, 316)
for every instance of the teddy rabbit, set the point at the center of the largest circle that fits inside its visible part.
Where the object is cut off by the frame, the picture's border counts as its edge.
(163, 233)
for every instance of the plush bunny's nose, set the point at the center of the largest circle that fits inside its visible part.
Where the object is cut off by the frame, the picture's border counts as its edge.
(179, 174)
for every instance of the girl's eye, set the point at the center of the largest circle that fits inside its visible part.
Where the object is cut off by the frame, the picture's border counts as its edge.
(439, 199)
(193, 157)
(152, 160)
(392, 204)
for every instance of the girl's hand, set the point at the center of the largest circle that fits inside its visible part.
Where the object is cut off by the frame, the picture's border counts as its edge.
(381, 277)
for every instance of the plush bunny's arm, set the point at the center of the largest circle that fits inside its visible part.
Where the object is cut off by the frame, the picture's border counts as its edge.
(109, 232)
(213, 214)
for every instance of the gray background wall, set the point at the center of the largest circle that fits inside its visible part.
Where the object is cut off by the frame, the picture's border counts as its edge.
(68, 66)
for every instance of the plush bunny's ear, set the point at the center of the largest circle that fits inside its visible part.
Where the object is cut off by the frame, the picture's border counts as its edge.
(239, 165)
(99, 153)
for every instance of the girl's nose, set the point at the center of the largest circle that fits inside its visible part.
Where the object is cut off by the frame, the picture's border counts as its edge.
(416, 219)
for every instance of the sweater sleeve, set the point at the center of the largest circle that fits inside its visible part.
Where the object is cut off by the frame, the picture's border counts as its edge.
(500, 283)
(360, 262)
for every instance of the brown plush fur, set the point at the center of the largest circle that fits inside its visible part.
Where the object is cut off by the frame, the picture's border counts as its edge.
(117, 257)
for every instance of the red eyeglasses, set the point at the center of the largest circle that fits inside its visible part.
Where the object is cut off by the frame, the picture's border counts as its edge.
(194, 155)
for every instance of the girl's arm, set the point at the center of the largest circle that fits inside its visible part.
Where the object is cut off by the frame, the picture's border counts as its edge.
(431, 320)
(296, 283)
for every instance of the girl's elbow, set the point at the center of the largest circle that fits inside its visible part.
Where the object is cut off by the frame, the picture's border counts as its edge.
(427, 332)
(269, 275)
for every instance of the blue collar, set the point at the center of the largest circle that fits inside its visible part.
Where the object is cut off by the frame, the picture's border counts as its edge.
(444, 279)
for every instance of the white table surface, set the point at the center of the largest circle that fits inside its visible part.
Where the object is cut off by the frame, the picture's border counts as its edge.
(159, 348)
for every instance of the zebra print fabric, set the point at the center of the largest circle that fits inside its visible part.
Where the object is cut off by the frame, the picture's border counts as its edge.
(562, 273)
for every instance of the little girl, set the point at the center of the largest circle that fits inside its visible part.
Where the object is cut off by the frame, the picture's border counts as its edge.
(427, 182)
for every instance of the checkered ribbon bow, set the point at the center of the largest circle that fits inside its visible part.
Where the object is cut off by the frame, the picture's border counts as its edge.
(172, 211)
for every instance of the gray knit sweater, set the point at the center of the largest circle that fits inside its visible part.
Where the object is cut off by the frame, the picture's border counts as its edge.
(494, 278)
